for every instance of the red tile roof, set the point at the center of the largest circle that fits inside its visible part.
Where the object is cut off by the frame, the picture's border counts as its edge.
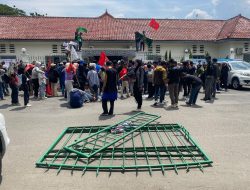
(106, 27)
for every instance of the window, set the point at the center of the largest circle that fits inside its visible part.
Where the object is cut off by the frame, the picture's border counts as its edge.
(194, 48)
(202, 49)
(158, 48)
(63, 49)
(150, 49)
(246, 46)
(54, 49)
(12, 48)
(2, 48)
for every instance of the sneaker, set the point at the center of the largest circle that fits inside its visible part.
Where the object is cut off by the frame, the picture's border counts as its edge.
(122, 97)
(28, 105)
(155, 104)
(188, 104)
(173, 106)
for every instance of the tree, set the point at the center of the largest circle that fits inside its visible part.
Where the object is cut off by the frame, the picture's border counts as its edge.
(12, 11)
(170, 55)
(166, 55)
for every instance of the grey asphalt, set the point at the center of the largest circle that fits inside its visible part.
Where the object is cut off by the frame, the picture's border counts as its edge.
(221, 128)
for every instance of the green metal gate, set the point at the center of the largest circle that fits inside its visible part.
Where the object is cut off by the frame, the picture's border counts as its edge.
(103, 139)
(152, 147)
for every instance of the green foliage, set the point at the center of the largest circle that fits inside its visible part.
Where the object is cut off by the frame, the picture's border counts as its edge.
(207, 54)
(12, 11)
(170, 55)
(166, 55)
(37, 14)
(190, 54)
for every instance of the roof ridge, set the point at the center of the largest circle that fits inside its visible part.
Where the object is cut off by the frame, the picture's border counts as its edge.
(117, 18)
(221, 30)
(236, 22)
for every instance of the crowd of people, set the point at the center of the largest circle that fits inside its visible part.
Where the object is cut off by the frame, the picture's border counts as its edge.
(80, 82)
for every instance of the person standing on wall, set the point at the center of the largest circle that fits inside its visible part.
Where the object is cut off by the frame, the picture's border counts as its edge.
(109, 90)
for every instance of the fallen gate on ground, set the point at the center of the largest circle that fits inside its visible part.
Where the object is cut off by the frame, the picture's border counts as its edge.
(145, 147)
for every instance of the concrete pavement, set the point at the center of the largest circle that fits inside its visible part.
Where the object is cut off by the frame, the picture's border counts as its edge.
(221, 129)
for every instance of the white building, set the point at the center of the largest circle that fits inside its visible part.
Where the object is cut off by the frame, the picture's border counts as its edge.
(43, 37)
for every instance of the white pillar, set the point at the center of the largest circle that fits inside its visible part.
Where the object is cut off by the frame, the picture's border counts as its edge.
(232, 53)
(186, 55)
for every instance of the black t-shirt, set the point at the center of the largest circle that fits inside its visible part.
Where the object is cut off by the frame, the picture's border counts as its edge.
(111, 80)
(174, 75)
(193, 80)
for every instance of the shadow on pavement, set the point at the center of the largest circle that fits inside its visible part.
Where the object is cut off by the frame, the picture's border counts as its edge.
(102, 118)
(65, 105)
(4, 106)
(169, 108)
(18, 108)
(193, 106)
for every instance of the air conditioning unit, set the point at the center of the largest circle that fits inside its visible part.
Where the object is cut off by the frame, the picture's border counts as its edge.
(91, 47)
(239, 51)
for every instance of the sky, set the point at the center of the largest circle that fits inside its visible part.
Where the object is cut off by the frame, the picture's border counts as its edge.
(181, 9)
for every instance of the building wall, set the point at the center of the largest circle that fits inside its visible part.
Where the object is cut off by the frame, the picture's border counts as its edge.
(37, 50)
(225, 46)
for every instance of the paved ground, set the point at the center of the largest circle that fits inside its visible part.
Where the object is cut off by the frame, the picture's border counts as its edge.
(221, 128)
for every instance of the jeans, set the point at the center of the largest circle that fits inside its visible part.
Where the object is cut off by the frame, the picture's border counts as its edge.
(94, 90)
(1, 90)
(14, 94)
(125, 85)
(159, 89)
(62, 86)
(151, 90)
(194, 94)
(26, 95)
(174, 93)
(42, 89)
(5, 88)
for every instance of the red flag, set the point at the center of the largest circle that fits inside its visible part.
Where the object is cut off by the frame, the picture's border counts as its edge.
(154, 24)
(103, 59)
